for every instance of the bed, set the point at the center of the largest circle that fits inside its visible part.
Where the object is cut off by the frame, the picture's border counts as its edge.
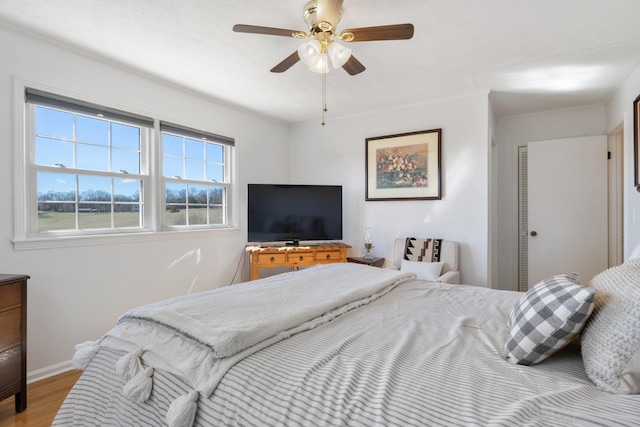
(339, 344)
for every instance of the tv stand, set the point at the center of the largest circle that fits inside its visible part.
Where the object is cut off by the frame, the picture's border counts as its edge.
(294, 256)
(295, 242)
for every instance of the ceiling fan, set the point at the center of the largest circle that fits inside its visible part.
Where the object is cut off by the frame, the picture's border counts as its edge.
(322, 18)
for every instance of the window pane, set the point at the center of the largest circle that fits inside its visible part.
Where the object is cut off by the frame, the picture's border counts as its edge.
(56, 202)
(94, 215)
(124, 136)
(216, 215)
(54, 123)
(172, 167)
(215, 172)
(92, 157)
(127, 215)
(56, 187)
(194, 149)
(215, 153)
(197, 194)
(195, 169)
(128, 161)
(94, 188)
(127, 190)
(172, 145)
(92, 130)
(176, 215)
(56, 216)
(216, 195)
(52, 151)
(197, 215)
(176, 193)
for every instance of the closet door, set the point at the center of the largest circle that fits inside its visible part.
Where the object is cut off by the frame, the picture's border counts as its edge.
(567, 207)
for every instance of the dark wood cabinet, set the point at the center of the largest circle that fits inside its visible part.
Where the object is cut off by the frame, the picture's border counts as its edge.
(13, 338)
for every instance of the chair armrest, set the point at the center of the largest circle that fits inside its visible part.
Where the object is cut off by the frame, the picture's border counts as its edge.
(452, 277)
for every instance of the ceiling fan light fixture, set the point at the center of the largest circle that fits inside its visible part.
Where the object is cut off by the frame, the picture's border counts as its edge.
(313, 56)
(339, 54)
(321, 66)
(310, 52)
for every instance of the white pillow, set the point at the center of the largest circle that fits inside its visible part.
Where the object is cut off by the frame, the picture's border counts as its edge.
(611, 339)
(423, 270)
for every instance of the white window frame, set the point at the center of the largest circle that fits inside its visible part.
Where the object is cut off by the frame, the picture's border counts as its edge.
(226, 183)
(25, 183)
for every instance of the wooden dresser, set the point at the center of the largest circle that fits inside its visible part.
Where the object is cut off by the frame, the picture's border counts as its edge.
(294, 256)
(13, 338)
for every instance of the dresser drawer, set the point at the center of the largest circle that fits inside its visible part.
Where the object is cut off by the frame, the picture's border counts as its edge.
(266, 259)
(10, 295)
(9, 328)
(324, 256)
(10, 368)
(301, 258)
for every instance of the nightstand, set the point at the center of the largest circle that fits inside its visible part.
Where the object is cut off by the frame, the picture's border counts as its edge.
(374, 262)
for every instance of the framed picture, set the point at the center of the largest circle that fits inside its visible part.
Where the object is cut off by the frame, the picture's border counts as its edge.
(636, 142)
(404, 166)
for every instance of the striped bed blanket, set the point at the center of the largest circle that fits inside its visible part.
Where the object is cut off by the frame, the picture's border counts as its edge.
(420, 353)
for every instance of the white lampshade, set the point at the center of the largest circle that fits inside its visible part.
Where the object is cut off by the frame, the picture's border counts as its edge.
(321, 65)
(310, 52)
(317, 61)
(339, 54)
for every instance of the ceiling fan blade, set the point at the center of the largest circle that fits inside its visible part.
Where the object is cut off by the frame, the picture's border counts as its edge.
(254, 29)
(287, 63)
(353, 66)
(329, 11)
(383, 32)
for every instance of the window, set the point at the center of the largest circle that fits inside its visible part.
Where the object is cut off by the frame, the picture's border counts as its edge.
(196, 176)
(89, 172)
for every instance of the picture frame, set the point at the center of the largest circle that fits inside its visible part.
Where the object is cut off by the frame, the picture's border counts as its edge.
(405, 166)
(636, 143)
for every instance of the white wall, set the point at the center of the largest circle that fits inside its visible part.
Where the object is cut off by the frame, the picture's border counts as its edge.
(519, 130)
(335, 154)
(620, 112)
(76, 294)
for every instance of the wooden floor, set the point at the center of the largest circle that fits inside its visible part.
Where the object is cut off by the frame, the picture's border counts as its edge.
(43, 401)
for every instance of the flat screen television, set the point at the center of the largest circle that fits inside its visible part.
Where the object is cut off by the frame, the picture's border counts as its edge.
(291, 213)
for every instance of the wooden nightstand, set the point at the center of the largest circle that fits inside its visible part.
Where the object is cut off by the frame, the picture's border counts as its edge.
(374, 262)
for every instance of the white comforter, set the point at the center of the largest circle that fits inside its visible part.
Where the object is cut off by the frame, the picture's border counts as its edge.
(422, 354)
(200, 337)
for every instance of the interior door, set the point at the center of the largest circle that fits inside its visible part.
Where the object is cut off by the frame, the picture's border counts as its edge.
(567, 212)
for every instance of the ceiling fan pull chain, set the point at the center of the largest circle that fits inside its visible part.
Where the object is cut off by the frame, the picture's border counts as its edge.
(324, 91)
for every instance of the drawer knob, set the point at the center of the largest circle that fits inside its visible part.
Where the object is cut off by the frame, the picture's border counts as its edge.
(301, 258)
(328, 256)
(272, 259)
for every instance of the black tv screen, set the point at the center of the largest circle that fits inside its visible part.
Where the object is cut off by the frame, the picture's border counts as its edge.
(290, 213)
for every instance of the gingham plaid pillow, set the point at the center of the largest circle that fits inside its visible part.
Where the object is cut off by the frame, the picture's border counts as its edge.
(546, 318)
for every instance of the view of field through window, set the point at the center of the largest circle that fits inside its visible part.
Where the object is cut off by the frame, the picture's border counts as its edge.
(88, 174)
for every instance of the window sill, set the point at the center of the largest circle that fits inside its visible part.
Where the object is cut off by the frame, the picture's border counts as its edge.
(120, 238)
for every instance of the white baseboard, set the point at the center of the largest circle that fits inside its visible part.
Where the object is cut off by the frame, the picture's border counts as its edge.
(49, 371)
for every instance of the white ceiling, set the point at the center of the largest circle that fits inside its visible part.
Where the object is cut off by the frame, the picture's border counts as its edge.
(533, 55)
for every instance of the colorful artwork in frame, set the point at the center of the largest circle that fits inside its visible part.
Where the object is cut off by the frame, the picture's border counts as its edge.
(404, 166)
